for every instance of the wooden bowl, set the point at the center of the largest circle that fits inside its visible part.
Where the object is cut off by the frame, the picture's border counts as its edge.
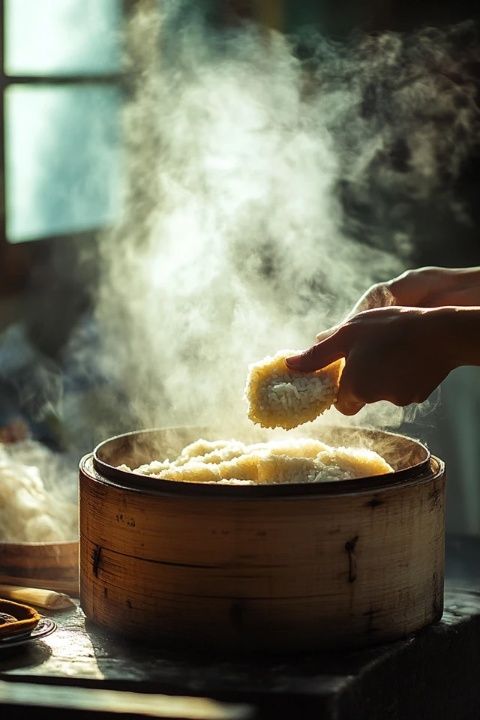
(277, 567)
(52, 565)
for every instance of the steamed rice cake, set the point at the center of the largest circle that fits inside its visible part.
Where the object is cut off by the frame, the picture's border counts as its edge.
(296, 460)
(280, 397)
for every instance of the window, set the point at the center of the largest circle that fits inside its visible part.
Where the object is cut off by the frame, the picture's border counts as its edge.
(60, 100)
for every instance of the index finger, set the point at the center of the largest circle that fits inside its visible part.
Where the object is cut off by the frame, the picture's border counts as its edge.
(320, 354)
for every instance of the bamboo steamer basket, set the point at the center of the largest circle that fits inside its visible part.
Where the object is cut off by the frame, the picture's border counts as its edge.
(262, 567)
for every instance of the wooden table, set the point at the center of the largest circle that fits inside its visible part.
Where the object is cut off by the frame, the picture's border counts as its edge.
(80, 671)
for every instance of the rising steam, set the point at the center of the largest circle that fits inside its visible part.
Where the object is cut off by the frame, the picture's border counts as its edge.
(264, 195)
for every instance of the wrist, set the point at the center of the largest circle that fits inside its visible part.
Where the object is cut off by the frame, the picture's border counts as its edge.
(461, 287)
(437, 287)
(458, 333)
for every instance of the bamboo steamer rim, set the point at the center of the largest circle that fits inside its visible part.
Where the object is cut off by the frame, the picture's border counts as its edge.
(110, 474)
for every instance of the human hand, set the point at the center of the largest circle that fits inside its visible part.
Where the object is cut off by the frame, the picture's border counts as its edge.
(425, 287)
(391, 353)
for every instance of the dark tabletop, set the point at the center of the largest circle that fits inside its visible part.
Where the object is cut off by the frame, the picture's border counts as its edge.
(434, 674)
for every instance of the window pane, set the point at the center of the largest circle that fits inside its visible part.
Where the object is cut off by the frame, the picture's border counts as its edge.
(62, 36)
(62, 159)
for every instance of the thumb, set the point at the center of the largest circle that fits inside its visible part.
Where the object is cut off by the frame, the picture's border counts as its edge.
(319, 355)
(326, 333)
(377, 296)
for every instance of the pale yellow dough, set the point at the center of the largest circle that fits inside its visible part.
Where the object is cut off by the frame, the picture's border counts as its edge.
(280, 397)
(296, 460)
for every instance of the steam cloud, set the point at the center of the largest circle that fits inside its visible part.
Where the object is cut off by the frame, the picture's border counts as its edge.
(265, 193)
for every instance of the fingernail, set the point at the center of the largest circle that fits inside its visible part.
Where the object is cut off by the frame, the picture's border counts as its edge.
(326, 333)
(293, 361)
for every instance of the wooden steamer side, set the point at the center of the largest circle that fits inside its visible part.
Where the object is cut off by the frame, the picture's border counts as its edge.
(273, 573)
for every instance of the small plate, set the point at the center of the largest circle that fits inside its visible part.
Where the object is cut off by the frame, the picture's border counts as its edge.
(44, 627)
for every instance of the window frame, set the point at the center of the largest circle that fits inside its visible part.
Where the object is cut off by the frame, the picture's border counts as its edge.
(16, 259)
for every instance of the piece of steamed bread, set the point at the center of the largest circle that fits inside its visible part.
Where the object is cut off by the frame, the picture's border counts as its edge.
(289, 447)
(354, 462)
(280, 397)
(210, 451)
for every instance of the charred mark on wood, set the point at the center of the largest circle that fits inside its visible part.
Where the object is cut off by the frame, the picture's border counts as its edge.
(105, 592)
(370, 615)
(352, 560)
(236, 614)
(435, 497)
(96, 556)
(437, 600)
(374, 502)
(129, 604)
(122, 520)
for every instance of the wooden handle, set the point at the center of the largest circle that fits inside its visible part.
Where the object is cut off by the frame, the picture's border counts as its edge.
(27, 590)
